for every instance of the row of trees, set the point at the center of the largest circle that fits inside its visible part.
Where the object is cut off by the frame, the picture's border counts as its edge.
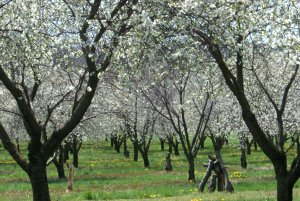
(184, 70)
(52, 55)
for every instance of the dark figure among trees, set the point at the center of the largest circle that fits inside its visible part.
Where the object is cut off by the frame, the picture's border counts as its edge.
(219, 179)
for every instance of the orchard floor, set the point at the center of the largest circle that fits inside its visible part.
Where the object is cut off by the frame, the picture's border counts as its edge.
(104, 174)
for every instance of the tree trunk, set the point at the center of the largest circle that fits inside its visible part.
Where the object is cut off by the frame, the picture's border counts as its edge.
(75, 158)
(70, 177)
(18, 145)
(276, 140)
(191, 169)
(118, 143)
(59, 163)
(135, 152)
(213, 183)
(39, 183)
(60, 168)
(168, 165)
(66, 150)
(176, 149)
(243, 158)
(284, 188)
(117, 147)
(162, 144)
(145, 159)
(220, 183)
(298, 144)
(284, 191)
(170, 150)
(111, 141)
(255, 145)
(125, 152)
(202, 141)
(249, 150)
(206, 176)
(228, 185)
(248, 146)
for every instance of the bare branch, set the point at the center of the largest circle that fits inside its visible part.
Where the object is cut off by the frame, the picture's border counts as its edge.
(32, 125)
(51, 109)
(4, 4)
(11, 112)
(261, 85)
(12, 149)
(287, 88)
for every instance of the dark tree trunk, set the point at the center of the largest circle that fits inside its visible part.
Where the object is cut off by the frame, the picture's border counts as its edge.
(60, 168)
(220, 183)
(115, 143)
(39, 183)
(248, 146)
(145, 159)
(176, 149)
(118, 141)
(298, 144)
(170, 150)
(191, 169)
(125, 152)
(284, 191)
(202, 141)
(75, 158)
(249, 149)
(255, 145)
(135, 152)
(162, 144)
(18, 145)
(76, 147)
(168, 165)
(112, 141)
(206, 176)
(59, 163)
(276, 140)
(243, 159)
(228, 185)
(117, 147)
(284, 188)
(66, 150)
(213, 183)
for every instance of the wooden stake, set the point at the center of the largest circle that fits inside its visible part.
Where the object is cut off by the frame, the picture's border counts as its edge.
(70, 177)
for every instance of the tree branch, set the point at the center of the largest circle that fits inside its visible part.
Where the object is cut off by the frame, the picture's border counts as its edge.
(12, 149)
(287, 88)
(31, 123)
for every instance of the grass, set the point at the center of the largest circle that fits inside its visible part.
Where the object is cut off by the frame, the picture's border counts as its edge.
(105, 175)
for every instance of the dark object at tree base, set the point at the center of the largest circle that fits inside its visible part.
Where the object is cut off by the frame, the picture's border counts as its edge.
(221, 176)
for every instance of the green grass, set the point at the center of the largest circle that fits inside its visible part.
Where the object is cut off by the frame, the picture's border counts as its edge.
(105, 175)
